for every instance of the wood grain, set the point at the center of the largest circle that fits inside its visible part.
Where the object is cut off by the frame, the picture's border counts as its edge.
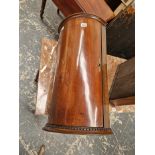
(124, 81)
(80, 91)
(97, 7)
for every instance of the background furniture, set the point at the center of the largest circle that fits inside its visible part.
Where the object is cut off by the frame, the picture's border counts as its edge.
(97, 7)
(121, 34)
(123, 88)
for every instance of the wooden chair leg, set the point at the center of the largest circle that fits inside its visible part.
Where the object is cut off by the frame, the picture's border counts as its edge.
(37, 76)
(42, 8)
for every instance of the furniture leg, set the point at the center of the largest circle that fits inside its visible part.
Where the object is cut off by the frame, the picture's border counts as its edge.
(42, 8)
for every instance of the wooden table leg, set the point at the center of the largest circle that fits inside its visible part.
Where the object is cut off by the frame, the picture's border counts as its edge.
(42, 8)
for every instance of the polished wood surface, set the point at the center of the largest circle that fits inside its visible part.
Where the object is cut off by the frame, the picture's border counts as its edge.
(78, 76)
(80, 92)
(124, 81)
(67, 7)
(97, 7)
(47, 45)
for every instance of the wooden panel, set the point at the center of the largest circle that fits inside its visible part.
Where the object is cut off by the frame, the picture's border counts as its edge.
(99, 8)
(68, 7)
(78, 76)
(121, 34)
(123, 101)
(79, 101)
(124, 82)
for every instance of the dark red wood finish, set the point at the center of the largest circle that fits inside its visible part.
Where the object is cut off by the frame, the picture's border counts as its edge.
(97, 7)
(80, 102)
(68, 7)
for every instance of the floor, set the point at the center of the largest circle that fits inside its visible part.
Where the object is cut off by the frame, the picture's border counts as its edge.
(31, 136)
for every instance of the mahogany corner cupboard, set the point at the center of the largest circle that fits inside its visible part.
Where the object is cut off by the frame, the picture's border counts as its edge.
(80, 102)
